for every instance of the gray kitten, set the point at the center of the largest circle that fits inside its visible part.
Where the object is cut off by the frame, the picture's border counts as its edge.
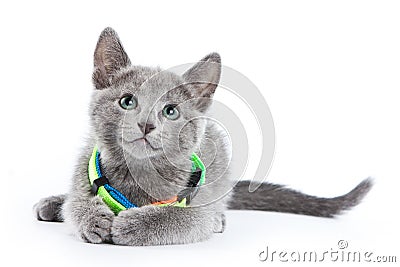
(142, 123)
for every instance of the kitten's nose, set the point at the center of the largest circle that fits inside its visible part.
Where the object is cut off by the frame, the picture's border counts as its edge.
(146, 127)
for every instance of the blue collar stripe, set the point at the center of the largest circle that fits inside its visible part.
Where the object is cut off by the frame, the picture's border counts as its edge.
(118, 196)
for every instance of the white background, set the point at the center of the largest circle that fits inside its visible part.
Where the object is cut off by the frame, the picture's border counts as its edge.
(328, 70)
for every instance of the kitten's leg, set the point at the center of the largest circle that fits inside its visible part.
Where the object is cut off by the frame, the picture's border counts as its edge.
(91, 218)
(154, 225)
(49, 208)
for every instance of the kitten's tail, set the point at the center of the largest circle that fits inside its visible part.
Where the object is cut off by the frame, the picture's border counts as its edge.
(272, 197)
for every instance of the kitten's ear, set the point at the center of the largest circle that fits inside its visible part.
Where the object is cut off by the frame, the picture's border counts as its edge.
(203, 78)
(109, 57)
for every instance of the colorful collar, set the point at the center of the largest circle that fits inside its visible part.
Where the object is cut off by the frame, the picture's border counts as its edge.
(117, 202)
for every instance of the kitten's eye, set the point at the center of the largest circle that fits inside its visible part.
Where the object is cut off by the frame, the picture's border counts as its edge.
(170, 112)
(128, 102)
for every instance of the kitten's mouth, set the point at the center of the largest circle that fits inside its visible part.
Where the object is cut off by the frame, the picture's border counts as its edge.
(142, 141)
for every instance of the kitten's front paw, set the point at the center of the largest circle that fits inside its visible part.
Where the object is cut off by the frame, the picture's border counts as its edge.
(128, 228)
(95, 227)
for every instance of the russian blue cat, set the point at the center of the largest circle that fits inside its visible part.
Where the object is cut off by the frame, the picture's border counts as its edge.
(146, 137)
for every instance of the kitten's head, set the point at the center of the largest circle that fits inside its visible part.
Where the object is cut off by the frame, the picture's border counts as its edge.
(145, 111)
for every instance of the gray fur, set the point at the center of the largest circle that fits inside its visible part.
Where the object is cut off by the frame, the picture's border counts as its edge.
(49, 209)
(272, 197)
(159, 168)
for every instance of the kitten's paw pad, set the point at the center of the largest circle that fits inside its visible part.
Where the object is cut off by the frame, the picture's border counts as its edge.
(49, 209)
(96, 227)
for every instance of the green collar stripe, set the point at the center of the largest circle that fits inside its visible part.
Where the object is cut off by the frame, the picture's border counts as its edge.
(93, 174)
(114, 205)
(197, 163)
